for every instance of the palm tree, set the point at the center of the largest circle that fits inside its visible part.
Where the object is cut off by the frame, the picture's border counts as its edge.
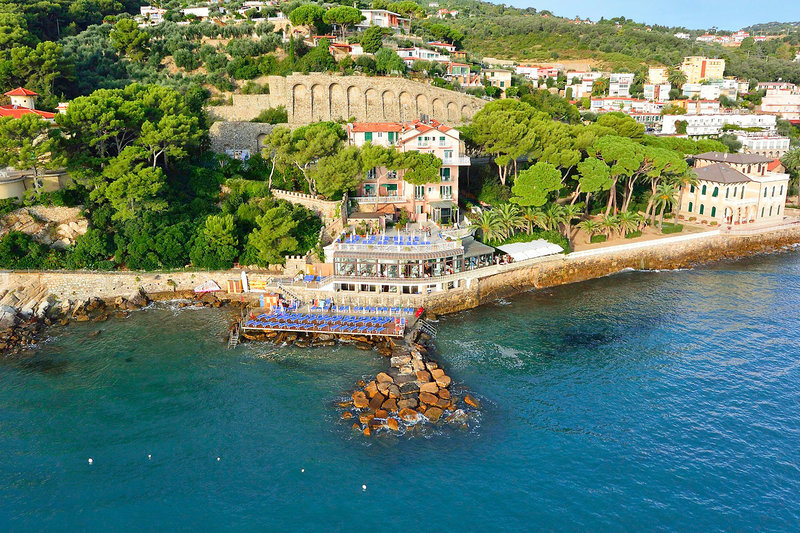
(665, 195)
(532, 217)
(571, 212)
(676, 78)
(591, 227)
(553, 216)
(629, 221)
(609, 223)
(509, 218)
(488, 224)
(682, 182)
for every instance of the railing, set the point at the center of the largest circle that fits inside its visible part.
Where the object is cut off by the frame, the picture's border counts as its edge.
(399, 248)
(378, 199)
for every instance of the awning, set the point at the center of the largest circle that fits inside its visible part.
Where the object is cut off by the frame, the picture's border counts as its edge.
(519, 251)
(442, 204)
(473, 248)
(208, 286)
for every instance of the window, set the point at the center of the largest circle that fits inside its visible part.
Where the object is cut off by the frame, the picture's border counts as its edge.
(765, 192)
(742, 195)
(419, 192)
(781, 193)
(715, 193)
(702, 208)
(371, 173)
(713, 212)
(690, 206)
(369, 190)
(770, 210)
(448, 154)
(778, 212)
(735, 189)
(762, 211)
(380, 135)
(446, 192)
(392, 136)
(444, 172)
(368, 136)
(691, 189)
(773, 191)
(728, 190)
(703, 191)
(391, 189)
(442, 141)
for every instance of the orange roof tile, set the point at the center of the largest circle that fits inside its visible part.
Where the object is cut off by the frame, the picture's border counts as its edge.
(376, 126)
(17, 112)
(20, 91)
(773, 165)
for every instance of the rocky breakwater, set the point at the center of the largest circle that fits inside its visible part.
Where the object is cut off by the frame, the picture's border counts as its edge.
(414, 390)
(302, 339)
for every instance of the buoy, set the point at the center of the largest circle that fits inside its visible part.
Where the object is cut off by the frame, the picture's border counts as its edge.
(149, 456)
(217, 458)
(363, 487)
(302, 470)
(90, 460)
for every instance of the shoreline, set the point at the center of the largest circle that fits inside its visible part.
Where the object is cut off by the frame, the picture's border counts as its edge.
(49, 297)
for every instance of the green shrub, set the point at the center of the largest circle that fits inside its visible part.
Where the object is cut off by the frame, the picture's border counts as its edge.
(671, 228)
(494, 193)
(633, 234)
(598, 238)
(273, 115)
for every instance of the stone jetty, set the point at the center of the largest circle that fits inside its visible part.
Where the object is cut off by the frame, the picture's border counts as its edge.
(414, 389)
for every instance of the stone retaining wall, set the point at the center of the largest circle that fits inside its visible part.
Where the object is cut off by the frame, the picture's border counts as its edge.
(314, 97)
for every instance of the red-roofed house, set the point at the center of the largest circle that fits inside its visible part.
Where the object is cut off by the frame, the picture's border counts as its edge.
(23, 102)
(385, 191)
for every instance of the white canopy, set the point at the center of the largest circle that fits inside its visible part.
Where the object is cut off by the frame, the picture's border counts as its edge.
(208, 286)
(519, 251)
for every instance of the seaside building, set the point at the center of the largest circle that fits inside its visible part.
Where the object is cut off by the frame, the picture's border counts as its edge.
(499, 78)
(734, 189)
(385, 191)
(699, 69)
(409, 55)
(581, 89)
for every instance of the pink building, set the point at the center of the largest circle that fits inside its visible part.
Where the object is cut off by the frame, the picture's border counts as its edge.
(385, 191)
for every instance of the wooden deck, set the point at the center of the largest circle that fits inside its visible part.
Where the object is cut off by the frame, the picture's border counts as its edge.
(332, 324)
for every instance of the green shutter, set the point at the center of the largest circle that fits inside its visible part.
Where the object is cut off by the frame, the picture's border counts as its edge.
(368, 136)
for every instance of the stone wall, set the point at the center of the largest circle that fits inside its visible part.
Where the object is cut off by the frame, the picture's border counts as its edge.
(314, 97)
(327, 210)
(582, 266)
(227, 137)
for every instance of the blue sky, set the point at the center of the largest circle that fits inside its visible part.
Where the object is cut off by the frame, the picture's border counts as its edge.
(694, 14)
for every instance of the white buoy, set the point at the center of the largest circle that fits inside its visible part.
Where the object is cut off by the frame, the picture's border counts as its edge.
(90, 460)
(302, 470)
(217, 458)
(149, 456)
(363, 487)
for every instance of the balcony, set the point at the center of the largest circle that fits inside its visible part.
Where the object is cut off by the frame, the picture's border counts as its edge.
(394, 199)
(458, 160)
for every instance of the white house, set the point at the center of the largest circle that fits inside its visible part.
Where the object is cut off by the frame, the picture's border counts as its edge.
(711, 125)
(619, 84)
(384, 19)
(657, 93)
(782, 102)
(768, 145)
(409, 55)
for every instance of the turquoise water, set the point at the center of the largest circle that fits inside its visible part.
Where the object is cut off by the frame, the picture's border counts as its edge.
(646, 400)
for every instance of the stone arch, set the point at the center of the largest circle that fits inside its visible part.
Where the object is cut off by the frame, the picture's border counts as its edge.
(299, 99)
(408, 107)
(319, 111)
(337, 102)
(260, 140)
(452, 112)
(423, 106)
(390, 107)
(372, 104)
(355, 103)
(438, 110)
(466, 112)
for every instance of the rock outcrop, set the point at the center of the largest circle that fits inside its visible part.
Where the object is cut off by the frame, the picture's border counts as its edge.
(58, 227)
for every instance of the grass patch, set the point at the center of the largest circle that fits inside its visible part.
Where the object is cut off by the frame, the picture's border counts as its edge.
(669, 227)
(633, 234)
(598, 238)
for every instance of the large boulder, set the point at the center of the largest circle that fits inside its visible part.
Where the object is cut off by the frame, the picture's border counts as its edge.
(376, 401)
(428, 398)
(429, 387)
(383, 376)
(360, 399)
(409, 415)
(433, 413)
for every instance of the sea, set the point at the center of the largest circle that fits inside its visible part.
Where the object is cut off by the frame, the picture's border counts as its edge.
(642, 401)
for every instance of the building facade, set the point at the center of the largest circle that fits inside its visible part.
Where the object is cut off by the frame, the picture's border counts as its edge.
(384, 19)
(619, 84)
(385, 191)
(784, 102)
(698, 69)
(771, 146)
(734, 189)
(711, 125)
